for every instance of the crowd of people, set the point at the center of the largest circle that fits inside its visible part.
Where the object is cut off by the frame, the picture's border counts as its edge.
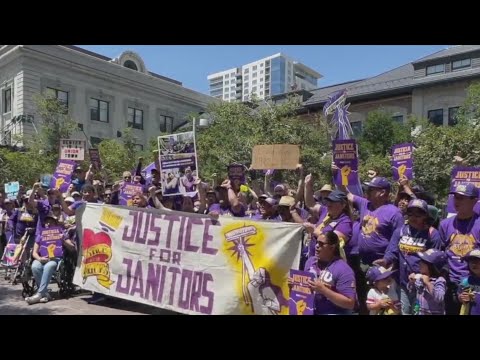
(378, 254)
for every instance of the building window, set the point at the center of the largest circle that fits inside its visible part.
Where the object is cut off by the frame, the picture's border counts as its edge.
(232, 74)
(245, 91)
(135, 118)
(98, 110)
(254, 67)
(232, 81)
(261, 72)
(461, 64)
(245, 85)
(452, 116)
(261, 92)
(254, 75)
(130, 64)
(232, 94)
(227, 76)
(261, 86)
(254, 89)
(95, 141)
(261, 65)
(357, 128)
(245, 78)
(61, 96)
(254, 82)
(398, 119)
(435, 69)
(436, 116)
(166, 124)
(245, 71)
(7, 100)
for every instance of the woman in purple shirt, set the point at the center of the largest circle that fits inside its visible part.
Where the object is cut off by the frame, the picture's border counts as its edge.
(334, 283)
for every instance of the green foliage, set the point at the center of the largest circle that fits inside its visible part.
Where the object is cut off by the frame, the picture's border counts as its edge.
(237, 128)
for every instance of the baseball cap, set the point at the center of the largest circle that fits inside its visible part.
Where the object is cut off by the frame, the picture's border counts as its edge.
(336, 196)
(472, 254)
(279, 188)
(418, 204)
(286, 201)
(7, 201)
(269, 200)
(377, 273)
(435, 257)
(69, 199)
(433, 212)
(76, 193)
(466, 189)
(378, 182)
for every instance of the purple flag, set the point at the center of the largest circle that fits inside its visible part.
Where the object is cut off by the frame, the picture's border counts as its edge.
(269, 172)
(63, 175)
(127, 191)
(302, 298)
(51, 242)
(402, 161)
(462, 175)
(334, 100)
(345, 157)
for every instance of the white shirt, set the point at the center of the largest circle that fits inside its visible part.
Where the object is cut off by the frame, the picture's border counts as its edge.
(374, 295)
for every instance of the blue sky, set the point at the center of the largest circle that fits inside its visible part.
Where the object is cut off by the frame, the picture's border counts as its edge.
(191, 64)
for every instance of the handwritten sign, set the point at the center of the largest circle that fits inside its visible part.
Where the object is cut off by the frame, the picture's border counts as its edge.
(279, 157)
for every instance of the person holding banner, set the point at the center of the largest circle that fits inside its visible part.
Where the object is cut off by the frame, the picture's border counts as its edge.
(460, 234)
(334, 282)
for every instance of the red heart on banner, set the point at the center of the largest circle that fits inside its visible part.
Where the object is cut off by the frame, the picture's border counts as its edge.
(91, 239)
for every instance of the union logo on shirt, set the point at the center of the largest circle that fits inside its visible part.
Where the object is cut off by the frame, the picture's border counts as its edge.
(461, 244)
(369, 224)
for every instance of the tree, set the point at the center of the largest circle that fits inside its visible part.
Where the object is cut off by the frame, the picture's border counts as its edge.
(238, 127)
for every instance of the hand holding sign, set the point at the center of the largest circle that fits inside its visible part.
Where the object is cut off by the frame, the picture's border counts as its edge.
(345, 171)
(301, 307)
(59, 183)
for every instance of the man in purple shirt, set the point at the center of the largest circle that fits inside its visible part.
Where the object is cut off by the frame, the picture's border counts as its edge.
(379, 220)
(228, 203)
(460, 234)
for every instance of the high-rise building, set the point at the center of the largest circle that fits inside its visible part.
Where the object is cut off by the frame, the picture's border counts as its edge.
(263, 78)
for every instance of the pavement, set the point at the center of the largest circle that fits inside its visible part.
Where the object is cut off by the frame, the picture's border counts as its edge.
(12, 303)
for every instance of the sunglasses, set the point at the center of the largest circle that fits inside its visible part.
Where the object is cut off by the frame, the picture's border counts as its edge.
(321, 244)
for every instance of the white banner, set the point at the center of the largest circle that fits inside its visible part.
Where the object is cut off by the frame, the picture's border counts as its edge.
(186, 262)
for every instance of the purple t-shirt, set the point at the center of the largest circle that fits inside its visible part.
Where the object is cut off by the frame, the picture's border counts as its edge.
(430, 303)
(472, 283)
(341, 224)
(351, 248)
(227, 211)
(405, 243)
(43, 245)
(21, 220)
(378, 227)
(43, 207)
(339, 277)
(458, 238)
(476, 208)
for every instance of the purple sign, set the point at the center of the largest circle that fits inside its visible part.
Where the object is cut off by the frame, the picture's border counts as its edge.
(127, 191)
(63, 175)
(95, 158)
(462, 175)
(402, 161)
(51, 242)
(345, 157)
(236, 174)
(302, 298)
(178, 164)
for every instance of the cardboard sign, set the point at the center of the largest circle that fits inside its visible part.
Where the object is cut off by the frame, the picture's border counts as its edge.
(278, 157)
(72, 149)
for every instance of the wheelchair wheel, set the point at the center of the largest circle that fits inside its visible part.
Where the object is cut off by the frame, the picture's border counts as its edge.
(65, 279)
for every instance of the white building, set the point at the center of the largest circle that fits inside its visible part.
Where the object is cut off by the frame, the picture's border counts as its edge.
(103, 95)
(263, 78)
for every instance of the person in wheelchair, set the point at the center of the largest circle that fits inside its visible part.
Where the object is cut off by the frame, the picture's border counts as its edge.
(47, 256)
